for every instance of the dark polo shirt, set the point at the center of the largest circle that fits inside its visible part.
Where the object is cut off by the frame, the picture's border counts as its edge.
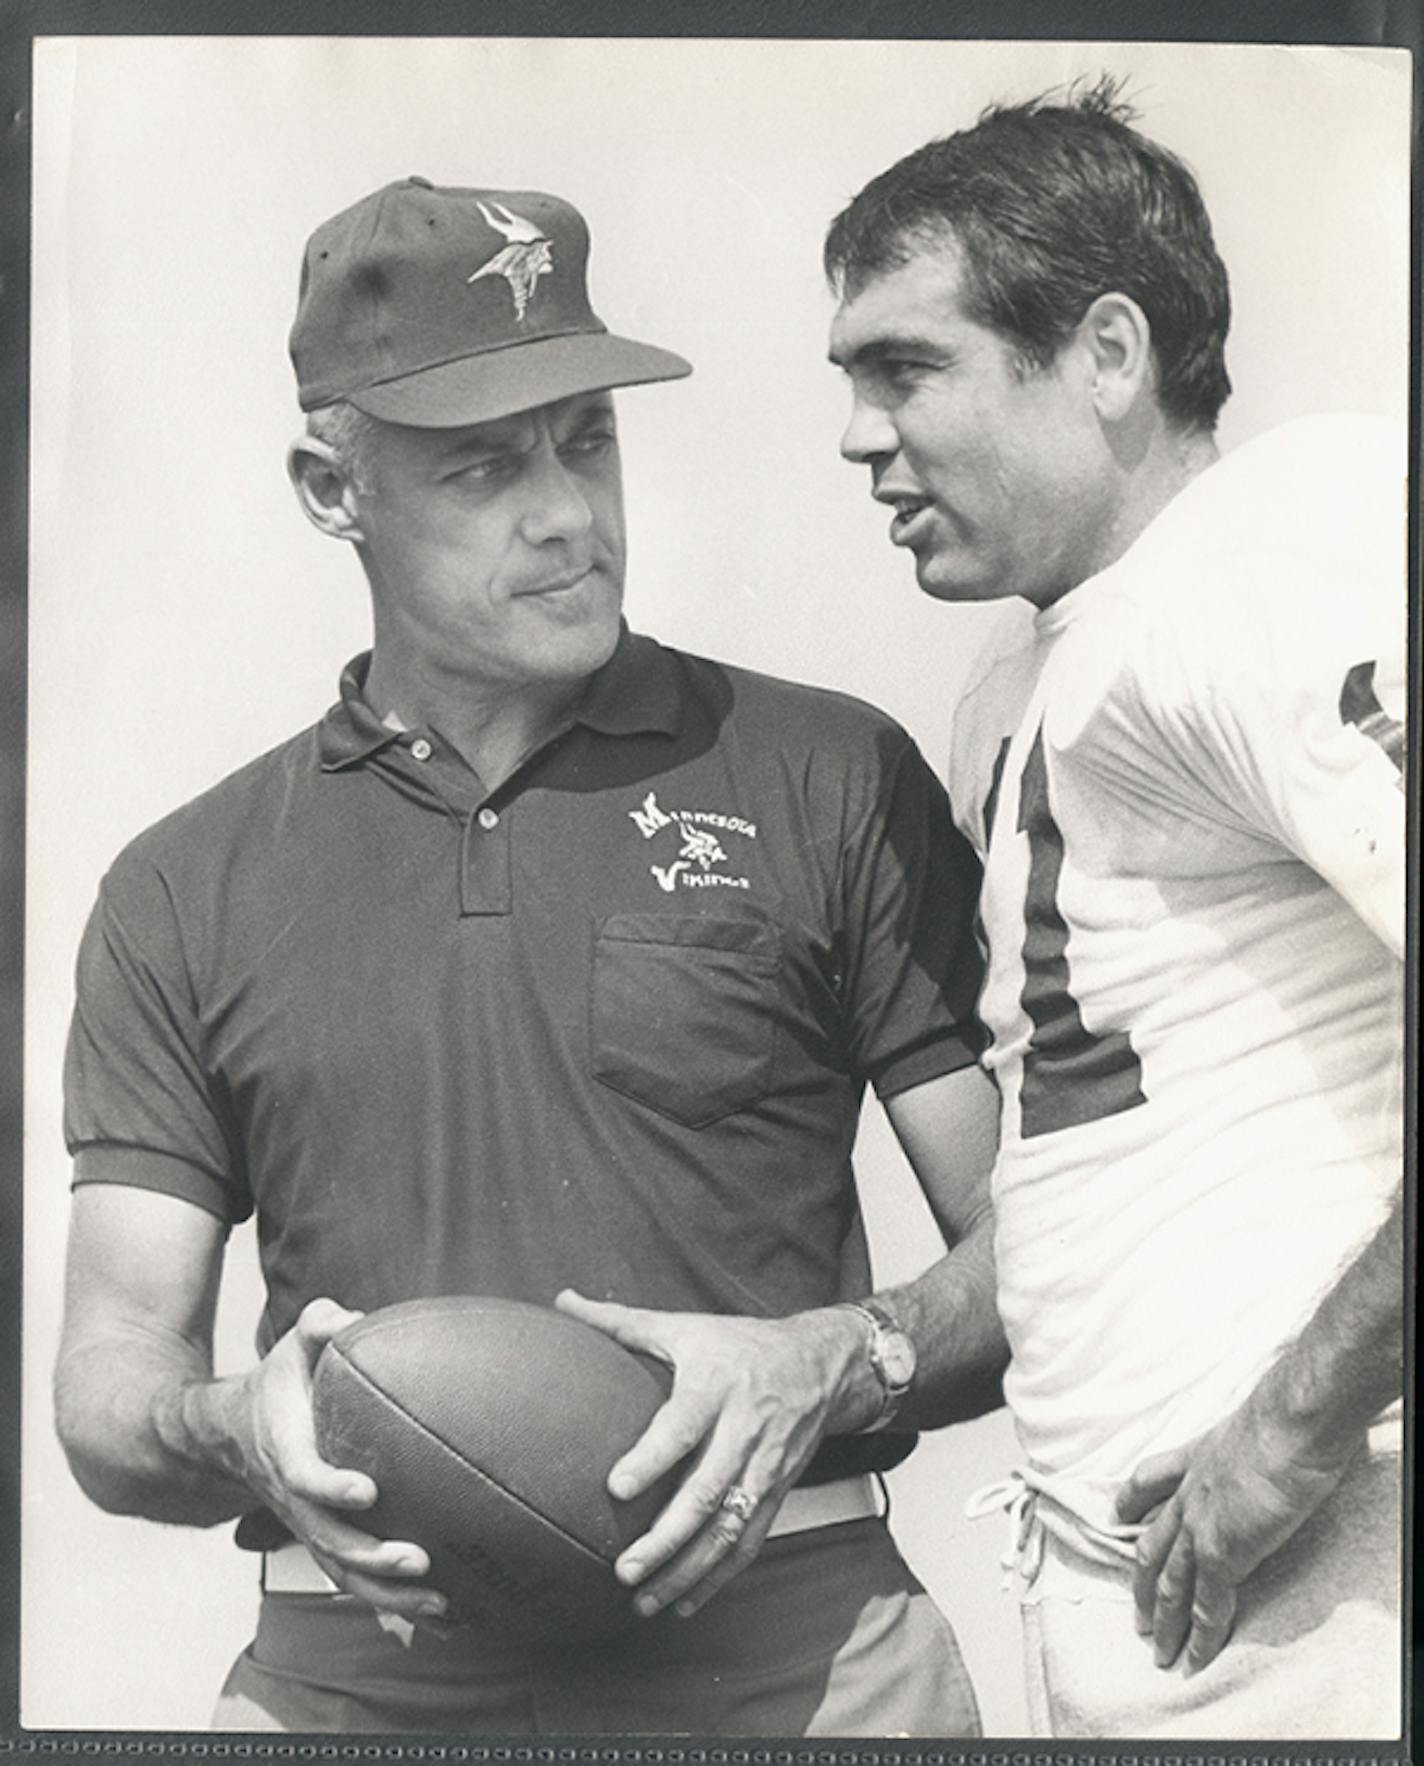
(607, 1026)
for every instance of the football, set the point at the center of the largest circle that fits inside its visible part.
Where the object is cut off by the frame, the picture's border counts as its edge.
(490, 1427)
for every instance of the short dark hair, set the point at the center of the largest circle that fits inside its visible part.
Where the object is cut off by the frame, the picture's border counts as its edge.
(1053, 202)
(351, 435)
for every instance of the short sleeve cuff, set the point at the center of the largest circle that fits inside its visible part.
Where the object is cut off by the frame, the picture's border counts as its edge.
(144, 1169)
(916, 1066)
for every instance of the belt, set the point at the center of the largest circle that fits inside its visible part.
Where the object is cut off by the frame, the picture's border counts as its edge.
(291, 1569)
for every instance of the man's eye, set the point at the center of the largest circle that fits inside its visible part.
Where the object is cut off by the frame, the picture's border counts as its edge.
(591, 442)
(482, 471)
(902, 370)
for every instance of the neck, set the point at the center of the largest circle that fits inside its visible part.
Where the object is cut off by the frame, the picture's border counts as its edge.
(492, 726)
(1168, 464)
(1154, 467)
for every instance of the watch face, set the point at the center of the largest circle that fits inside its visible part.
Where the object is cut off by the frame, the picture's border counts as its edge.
(897, 1358)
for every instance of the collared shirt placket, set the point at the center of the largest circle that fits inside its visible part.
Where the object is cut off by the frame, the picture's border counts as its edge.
(485, 818)
(486, 859)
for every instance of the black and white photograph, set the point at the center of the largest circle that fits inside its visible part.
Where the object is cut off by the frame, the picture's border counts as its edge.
(716, 830)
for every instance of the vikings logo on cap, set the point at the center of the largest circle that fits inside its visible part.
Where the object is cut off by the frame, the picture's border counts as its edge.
(528, 256)
(389, 318)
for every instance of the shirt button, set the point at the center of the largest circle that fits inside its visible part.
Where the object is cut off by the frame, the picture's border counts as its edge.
(487, 818)
(421, 749)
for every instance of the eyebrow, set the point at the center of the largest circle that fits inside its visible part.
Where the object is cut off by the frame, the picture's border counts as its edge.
(599, 408)
(885, 348)
(495, 437)
(506, 434)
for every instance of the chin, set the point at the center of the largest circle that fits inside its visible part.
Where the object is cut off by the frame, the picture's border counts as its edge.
(578, 649)
(942, 582)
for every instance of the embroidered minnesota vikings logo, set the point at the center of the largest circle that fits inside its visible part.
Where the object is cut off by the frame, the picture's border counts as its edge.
(528, 256)
(700, 849)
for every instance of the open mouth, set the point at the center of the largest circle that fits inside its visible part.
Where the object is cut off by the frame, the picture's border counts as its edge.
(908, 511)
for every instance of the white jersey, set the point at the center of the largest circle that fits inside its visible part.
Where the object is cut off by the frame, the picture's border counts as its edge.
(1186, 783)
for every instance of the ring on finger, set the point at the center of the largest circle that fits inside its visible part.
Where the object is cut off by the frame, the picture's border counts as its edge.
(739, 1501)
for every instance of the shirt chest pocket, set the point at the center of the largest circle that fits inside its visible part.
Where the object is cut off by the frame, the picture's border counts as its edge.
(684, 1011)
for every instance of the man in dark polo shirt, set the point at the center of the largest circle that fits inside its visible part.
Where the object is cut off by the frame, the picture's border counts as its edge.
(551, 963)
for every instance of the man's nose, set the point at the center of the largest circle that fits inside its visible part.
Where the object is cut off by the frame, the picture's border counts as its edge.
(869, 435)
(557, 508)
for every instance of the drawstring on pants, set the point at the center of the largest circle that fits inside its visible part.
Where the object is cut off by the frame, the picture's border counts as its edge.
(1037, 1504)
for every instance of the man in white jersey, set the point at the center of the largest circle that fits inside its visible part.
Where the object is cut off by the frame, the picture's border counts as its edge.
(1185, 777)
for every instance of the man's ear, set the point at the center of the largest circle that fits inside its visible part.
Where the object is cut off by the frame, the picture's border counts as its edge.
(324, 488)
(1118, 338)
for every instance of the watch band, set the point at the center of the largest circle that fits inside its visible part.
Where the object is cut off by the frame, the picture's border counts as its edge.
(892, 1357)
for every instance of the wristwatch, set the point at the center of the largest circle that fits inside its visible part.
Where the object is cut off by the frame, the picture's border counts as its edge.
(892, 1357)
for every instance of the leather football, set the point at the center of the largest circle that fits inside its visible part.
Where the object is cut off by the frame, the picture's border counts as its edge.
(490, 1427)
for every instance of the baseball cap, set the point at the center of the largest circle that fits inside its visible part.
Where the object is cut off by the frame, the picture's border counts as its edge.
(436, 307)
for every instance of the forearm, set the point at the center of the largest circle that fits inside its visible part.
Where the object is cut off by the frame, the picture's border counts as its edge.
(1347, 1364)
(149, 1432)
(1216, 1508)
(949, 1129)
(951, 1315)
